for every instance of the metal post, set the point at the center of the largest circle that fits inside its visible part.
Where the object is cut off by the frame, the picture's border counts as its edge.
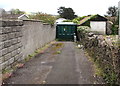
(75, 38)
(119, 22)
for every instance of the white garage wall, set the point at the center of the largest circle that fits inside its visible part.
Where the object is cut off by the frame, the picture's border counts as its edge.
(99, 26)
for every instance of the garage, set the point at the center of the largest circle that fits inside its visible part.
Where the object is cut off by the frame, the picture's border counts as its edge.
(66, 31)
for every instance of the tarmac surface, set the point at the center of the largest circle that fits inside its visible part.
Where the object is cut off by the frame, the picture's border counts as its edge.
(63, 65)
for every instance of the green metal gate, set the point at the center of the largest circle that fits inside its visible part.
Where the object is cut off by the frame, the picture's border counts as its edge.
(66, 31)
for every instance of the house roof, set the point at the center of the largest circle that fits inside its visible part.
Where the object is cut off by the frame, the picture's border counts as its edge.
(13, 16)
(85, 19)
(92, 18)
(23, 16)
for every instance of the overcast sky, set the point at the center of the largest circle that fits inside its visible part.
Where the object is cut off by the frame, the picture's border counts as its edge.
(80, 7)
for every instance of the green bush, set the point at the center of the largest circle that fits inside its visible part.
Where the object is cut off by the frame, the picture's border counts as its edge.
(67, 21)
(76, 20)
(114, 30)
(83, 29)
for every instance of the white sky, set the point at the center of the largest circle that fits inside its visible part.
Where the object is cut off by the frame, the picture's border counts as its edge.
(81, 7)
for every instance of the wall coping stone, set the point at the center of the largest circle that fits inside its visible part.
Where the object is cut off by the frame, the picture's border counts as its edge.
(33, 20)
(6, 23)
(46, 24)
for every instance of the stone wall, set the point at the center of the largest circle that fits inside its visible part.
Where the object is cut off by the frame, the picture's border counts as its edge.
(10, 45)
(104, 54)
(20, 38)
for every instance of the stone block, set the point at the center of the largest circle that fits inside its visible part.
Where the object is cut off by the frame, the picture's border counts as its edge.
(10, 61)
(16, 34)
(7, 56)
(4, 64)
(1, 59)
(1, 45)
(20, 34)
(11, 36)
(4, 37)
(4, 51)
(14, 41)
(0, 38)
(0, 53)
(18, 28)
(18, 50)
(14, 29)
(17, 57)
(14, 53)
(16, 46)
(6, 30)
(19, 39)
(1, 30)
(11, 48)
(19, 45)
(7, 43)
(20, 58)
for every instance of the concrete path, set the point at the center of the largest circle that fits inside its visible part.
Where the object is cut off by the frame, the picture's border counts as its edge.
(70, 66)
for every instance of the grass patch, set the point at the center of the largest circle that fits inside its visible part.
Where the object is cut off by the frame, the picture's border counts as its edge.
(55, 48)
(57, 52)
(7, 70)
(37, 51)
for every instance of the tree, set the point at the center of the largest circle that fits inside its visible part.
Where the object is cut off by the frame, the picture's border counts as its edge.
(112, 11)
(66, 13)
(46, 18)
(16, 11)
(113, 16)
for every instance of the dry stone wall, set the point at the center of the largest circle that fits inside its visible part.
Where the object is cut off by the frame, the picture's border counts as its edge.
(104, 54)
